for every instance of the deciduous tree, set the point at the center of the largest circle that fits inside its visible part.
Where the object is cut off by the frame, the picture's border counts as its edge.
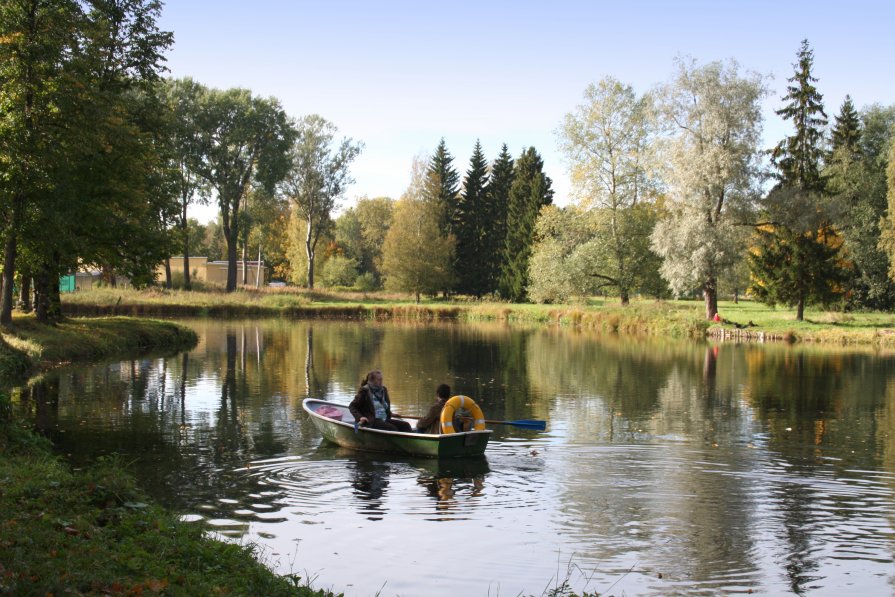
(713, 165)
(317, 178)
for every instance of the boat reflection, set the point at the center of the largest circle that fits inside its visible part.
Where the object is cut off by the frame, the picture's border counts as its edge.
(376, 478)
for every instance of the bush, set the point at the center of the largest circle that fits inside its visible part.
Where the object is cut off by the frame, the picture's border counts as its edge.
(366, 282)
(339, 271)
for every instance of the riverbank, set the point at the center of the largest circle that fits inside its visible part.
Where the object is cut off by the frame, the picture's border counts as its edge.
(27, 347)
(93, 532)
(742, 321)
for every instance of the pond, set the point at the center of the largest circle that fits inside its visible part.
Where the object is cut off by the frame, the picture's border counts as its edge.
(666, 468)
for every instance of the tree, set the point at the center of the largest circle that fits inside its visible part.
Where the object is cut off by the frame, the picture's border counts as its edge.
(38, 37)
(317, 178)
(797, 257)
(713, 166)
(887, 240)
(606, 141)
(182, 100)
(417, 256)
(855, 183)
(242, 139)
(846, 133)
(360, 231)
(441, 186)
(497, 205)
(531, 190)
(471, 226)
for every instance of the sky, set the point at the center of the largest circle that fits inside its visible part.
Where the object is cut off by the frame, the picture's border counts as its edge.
(399, 76)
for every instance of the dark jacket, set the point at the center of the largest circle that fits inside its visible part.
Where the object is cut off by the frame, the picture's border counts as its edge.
(362, 405)
(431, 423)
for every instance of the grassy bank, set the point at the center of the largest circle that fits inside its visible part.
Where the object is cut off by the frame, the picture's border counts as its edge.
(94, 533)
(647, 317)
(27, 347)
(744, 320)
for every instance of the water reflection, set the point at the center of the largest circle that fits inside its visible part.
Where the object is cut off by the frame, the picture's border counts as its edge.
(723, 468)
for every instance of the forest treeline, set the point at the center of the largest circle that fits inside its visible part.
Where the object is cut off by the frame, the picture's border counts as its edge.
(102, 159)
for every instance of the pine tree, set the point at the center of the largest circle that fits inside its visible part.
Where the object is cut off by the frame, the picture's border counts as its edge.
(531, 190)
(796, 259)
(442, 185)
(497, 204)
(847, 129)
(471, 227)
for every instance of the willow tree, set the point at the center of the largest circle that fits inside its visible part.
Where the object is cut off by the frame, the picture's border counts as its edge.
(712, 157)
(318, 176)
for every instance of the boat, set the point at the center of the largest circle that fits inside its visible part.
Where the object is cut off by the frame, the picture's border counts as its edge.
(337, 426)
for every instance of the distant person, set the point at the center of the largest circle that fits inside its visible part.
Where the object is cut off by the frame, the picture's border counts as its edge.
(431, 423)
(371, 406)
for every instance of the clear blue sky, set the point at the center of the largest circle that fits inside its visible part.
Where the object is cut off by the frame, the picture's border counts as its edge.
(400, 75)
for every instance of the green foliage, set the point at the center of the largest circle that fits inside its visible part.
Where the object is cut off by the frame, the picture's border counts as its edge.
(798, 157)
(496, 213)
(317, 178)
(798, 258)
(795, 269)
(360, 231)
(531, 190)
(855, 182)
(417, 256)
(242, 139)
(472, 227)
(441, 186)
(339, 271)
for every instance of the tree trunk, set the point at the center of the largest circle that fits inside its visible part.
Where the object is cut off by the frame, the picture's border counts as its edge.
(710, 294)
(309, 250)
(186, 251)
(9, 270)
(245, 265)
(168, 283)
(231, 261)
(626, 299)
(41, 296)
(800, 309)
(25, 296)
(736, 296)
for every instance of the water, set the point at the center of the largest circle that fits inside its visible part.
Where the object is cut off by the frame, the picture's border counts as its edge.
(667, 468)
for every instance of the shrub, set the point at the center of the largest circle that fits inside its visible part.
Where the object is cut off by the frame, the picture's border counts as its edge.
(339, 271)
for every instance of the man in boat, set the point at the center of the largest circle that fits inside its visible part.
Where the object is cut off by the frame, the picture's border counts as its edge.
(371, 406)
(431, 423)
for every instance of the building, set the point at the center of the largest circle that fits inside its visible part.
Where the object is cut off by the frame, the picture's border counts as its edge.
(215, 272)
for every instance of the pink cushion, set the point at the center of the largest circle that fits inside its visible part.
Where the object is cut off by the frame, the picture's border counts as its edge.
(330, 411)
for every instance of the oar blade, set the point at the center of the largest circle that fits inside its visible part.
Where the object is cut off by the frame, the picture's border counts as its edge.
(530, 424)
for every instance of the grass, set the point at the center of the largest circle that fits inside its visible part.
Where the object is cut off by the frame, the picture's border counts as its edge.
(93, 532)
(27, 347)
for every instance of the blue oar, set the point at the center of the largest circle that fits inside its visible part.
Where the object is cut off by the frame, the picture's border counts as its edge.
(526, 423)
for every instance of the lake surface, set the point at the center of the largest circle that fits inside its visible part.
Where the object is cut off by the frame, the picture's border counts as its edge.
(667, 468)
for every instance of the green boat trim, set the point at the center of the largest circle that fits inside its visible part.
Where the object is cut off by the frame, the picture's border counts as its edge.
(343, 433)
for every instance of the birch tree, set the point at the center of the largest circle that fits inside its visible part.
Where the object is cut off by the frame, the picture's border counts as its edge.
(317, 178)
(714, 116)
(606, 141)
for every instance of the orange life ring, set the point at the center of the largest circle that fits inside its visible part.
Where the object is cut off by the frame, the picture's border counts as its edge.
(458, 402)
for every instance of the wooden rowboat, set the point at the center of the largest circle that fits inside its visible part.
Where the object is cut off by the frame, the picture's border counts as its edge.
(343, 433)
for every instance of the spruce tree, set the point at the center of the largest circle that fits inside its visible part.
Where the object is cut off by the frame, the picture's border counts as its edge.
(497, 205)
(471, 227)
(442, 186)
(796, 260)
(847, 129)
(798, 157)
(531, 190)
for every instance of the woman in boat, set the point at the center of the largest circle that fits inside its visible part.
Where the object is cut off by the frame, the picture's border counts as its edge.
(431, 423)
(371, 406)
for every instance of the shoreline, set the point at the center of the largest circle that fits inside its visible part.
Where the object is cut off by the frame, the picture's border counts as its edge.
(672, 319)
